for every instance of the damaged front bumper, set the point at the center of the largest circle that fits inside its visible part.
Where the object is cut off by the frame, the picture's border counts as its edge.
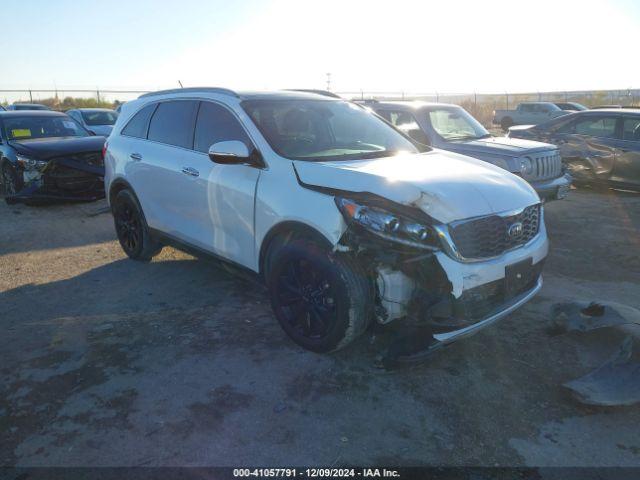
(62, 180)
(449, 297)
(503, 311)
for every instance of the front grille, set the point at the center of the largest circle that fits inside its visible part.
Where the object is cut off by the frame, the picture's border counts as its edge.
(546, 165)
(61, 177)
(90, 158)
(490, 236)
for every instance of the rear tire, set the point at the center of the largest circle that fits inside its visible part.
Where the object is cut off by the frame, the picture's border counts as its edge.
(132, 229)
(506, 123)
(322, 301)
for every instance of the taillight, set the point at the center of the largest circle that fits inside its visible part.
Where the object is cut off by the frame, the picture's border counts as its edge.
(104, 150)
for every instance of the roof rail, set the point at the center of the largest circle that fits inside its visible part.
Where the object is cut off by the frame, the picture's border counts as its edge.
(324, 93)
(223, 91)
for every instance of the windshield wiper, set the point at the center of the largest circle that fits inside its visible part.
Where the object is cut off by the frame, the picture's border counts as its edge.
(377, 154)
(462, 137)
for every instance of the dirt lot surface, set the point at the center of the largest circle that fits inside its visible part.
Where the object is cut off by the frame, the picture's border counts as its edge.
(106, 361)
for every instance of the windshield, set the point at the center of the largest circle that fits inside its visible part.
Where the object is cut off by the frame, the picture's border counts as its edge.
(325, 130)
(99, 118)
(24, 128)
(571, 106)
(456, 124)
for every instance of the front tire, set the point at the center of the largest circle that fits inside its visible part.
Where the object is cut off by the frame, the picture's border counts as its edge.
(132, 229)
(322, 301)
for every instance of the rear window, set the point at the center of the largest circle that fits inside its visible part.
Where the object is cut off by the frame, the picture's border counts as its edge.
(138, 125)
(173, 123)
(99, 118)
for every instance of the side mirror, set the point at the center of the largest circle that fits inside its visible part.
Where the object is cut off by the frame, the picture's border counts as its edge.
(230, 152)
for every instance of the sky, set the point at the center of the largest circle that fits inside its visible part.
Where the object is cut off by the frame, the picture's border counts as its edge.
(447, 46)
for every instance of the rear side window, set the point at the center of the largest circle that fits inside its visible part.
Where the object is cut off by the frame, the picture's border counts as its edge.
(138, 125)
(631, 129)
(216, 124)
(597, 127)
(173, 123)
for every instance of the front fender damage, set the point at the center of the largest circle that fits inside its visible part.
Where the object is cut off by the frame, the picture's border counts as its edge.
(61, 180)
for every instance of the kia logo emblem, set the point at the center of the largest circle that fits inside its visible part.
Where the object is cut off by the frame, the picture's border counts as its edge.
(515, 230)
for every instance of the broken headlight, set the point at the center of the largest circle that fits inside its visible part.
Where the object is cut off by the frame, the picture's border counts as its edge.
(388, 225)
(29, 164)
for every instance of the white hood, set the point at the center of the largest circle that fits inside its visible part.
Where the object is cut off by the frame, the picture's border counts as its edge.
(445, 185)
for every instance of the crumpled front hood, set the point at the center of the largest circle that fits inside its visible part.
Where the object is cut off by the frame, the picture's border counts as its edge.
(445, 185)
(500, 146)
(46, 148)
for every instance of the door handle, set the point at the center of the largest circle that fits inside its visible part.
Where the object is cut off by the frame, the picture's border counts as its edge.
(136, 156)
(190, 171)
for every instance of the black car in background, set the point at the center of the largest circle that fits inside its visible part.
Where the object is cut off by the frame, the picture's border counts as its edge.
(46, 156)
(27, 106)
(597, 146)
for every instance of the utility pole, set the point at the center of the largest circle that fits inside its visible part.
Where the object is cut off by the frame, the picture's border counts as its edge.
(328, 81)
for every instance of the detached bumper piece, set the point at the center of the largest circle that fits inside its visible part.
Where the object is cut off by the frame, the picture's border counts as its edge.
(614, 383)
(79, 178)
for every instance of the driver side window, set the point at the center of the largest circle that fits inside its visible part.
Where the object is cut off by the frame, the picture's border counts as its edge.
(216, 124)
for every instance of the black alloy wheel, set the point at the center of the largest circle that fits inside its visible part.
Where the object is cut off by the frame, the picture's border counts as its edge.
(131, 228)
(128, 228)
(305, 298)
(321, 299)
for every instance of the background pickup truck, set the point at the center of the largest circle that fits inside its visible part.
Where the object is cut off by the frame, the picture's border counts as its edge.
(529, 113)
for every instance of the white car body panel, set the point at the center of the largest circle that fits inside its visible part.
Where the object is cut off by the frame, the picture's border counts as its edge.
(229, 210)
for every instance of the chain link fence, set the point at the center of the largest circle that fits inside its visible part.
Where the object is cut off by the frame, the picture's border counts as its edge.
(63, 99)
(480, 105)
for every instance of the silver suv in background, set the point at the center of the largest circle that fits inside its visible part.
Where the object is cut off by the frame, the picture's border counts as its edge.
(528, 113)
(452, 128)
(98, 121)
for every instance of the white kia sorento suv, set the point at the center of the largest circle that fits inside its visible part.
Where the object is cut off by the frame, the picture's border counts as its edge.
(347, 220)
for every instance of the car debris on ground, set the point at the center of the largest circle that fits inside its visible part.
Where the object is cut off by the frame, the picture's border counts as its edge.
(614, 383)
(576, 316)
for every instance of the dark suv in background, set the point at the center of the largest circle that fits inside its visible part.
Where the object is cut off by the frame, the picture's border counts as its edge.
(452, 128)
(598, 146)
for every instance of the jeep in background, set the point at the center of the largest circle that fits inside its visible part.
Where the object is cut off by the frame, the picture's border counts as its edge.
(452, 128)
(527, 113)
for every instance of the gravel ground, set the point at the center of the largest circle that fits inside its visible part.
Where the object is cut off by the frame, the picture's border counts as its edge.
(106, 361)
